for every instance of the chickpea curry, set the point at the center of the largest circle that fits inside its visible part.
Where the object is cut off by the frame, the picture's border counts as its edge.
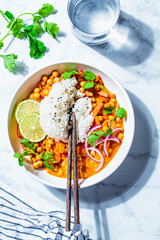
(102, 141)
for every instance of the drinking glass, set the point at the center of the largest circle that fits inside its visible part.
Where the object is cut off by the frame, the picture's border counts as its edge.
(93, 20)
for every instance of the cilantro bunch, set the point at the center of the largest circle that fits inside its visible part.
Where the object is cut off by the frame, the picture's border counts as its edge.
(46, 157)
(88, 75)
(19, 29)
(95, 136)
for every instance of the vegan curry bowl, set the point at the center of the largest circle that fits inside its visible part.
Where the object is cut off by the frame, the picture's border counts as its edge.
(43, 123)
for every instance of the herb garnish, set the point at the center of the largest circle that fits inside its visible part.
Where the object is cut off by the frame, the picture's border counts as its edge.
(109, 109)
(94, 136)
(88, 75)
(47, 157)
(21, 30)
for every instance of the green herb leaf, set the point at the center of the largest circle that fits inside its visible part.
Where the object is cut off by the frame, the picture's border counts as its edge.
(29, 30)
(17, 155)
(90, 76)
(47, 155)
(108, 132)
(88, 85)
(108, 110)
(51, 28)
(37, 48)
(121, 113)
(98, 133)
(10, 23)
(36, 18)
(9, 61)
(67, 75)
(20, 162)
(9, 15)
(1, 44)
(47, 165)
(37, 27)
(26, 143)
(17, 27)
(92, 139)
(46, 10)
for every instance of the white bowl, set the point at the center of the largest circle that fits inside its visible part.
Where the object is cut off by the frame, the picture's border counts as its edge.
(112, 84)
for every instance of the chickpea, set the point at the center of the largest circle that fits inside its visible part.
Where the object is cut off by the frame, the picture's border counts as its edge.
(43, 83)
(44, 78)
(113, 100)
(81, 90)
(49, 82)
(55, 73)
(111, 104)
(84, 175)
(118, 120)
(110, 117)
(92, 153)
(31, 96)
(98, 78)
(93, 99)
(45, 92)
(120, 136)
(94, 105)
(95, 165)
(105, 128)
(34, 159)
(36, 145)
(56, 79)
(36, 95)
(107, 104)
(55, 168)
(100, 118)
(63, 164)
(82, 83)
(96, 88)
(37, 164)
(39, 149)
(36, 90)
(110, 150)
(60, 172)
(48, 146)
(118, 125)
(50, 141)
(47, 137)
(38, 158)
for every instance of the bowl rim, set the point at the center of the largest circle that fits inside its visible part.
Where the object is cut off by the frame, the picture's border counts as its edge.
(99, 68)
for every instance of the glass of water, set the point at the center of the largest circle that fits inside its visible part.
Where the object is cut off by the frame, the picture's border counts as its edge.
(93, 20)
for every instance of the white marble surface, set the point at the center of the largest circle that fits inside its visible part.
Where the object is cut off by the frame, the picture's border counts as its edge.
(127, 204)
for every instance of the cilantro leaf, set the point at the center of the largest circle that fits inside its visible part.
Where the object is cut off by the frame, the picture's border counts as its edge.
(37, 28)
(88, 75)
(47, 155)
(17, 155)
(109, 109)
(92, 139)
(29, 30)
(9, 15)
(121, 113)
(45, 10)
(36, 18)
(37, 48)
(98, 133)
(51, 28)
(26, 143)
(1, 44)
(88, 85)
(108, 132)
(20, 162)
(9, 61)
(17, 27)
(10, 23)
(67, 75)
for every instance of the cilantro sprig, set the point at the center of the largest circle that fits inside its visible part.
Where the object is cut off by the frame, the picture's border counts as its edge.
(88, 75)
(46, 157)
(95, 136)
(19, 29)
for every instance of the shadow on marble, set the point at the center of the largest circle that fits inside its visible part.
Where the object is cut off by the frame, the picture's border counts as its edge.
(20, 68)
(131, 42)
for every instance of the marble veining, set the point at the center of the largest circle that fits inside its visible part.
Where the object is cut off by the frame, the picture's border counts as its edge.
(127, 204)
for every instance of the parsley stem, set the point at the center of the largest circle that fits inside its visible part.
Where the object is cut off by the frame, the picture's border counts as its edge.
(4, 16)
(25, 14)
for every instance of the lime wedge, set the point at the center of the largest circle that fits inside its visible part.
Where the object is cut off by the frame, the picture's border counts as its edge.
(30, 128)
(25, 107)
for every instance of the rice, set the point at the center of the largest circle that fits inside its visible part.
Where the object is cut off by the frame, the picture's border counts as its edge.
(55, 111)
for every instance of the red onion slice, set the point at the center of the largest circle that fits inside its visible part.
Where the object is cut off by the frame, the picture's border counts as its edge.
(86, 148)
(101, 156)
(114, 139)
